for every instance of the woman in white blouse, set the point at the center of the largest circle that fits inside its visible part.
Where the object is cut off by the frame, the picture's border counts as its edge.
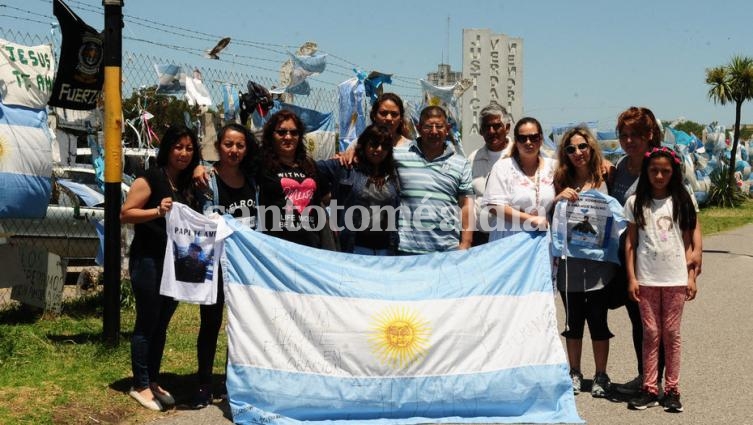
(520, 188)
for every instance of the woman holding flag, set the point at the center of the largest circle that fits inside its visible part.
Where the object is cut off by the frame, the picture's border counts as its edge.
(582, 282)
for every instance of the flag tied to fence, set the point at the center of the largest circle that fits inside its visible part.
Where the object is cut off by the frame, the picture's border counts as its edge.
(25, 162)
(326, 337)
(80, 74)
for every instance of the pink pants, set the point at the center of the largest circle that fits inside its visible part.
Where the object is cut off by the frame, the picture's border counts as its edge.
(661, 314)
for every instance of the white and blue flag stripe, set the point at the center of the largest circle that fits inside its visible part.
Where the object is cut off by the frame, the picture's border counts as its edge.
(25, 162)
(461, 337)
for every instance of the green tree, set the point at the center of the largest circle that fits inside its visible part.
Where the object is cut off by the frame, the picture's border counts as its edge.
(166, 110)
(732, 83)
(691, 127)
(746, 133)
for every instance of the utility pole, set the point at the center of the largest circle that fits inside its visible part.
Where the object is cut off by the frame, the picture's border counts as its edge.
(113, 125)
(448, 40)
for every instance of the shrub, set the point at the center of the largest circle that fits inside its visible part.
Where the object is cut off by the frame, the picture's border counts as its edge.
(723, 192)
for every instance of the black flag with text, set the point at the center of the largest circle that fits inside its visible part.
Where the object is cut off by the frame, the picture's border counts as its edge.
(78, 83)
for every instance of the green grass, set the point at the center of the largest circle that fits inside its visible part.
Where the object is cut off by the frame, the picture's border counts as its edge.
(57, 371)
(715, 219)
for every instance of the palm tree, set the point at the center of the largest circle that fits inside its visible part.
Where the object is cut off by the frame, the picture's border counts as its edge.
(729, 83)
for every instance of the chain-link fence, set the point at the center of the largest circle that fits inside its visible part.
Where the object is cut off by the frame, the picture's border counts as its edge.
(69, 226)
(139, 71)
(68, 229)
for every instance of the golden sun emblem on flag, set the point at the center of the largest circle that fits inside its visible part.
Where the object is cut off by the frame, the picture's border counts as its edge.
(400, 336)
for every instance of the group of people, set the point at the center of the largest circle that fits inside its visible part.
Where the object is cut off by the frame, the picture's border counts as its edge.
(397, 196)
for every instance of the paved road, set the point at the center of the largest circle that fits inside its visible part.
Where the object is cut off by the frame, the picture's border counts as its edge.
(717, 362)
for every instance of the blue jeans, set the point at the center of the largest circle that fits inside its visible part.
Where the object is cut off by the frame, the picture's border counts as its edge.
(153, 314)
(362, 250)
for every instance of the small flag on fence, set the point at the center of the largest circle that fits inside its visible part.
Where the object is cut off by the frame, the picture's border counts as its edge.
(80, 75)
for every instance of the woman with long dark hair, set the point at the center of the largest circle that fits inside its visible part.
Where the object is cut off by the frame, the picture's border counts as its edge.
(151, 196)
(371, 183)
(290, 190)
(232, 190)
(388, 110)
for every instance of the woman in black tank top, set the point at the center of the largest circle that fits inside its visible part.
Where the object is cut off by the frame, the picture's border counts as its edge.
(150, 198)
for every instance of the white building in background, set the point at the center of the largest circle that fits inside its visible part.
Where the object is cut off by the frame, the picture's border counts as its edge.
(444, 76)
(494, 64)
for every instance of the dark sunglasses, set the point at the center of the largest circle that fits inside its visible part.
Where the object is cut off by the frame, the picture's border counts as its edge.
(522, 138)
(282, 132)
(373, 144)
(571, 149)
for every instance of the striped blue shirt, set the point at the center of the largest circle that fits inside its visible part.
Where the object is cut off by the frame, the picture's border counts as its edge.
(429, 219)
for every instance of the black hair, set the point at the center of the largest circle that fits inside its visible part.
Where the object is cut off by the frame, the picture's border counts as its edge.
(171, 137)
(270, 159)
(402, 128)
(381, 134)
(250, 162)
(683, 209)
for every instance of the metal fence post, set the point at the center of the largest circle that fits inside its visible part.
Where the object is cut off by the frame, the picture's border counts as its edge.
(113, 165)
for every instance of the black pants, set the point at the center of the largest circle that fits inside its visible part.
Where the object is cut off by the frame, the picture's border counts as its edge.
(479, 238)
(209, 331)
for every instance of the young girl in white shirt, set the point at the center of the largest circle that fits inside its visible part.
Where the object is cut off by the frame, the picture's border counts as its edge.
(661, 219)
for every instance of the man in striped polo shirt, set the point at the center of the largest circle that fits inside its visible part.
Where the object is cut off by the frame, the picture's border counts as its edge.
(436, 193)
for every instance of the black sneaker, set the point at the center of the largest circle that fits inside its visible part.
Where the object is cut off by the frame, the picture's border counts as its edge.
(577, 379)
(202, 399)
(672, 402)
(644, 400)
(601, 385)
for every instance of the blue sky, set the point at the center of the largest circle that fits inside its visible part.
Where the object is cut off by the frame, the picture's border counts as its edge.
(583, 60)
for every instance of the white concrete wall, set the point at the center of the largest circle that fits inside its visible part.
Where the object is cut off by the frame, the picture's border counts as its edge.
(494, 63)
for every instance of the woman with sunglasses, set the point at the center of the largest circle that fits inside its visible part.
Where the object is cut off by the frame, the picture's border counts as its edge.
(581, 282)
(370, 184)
(290, 190)
(520, 188)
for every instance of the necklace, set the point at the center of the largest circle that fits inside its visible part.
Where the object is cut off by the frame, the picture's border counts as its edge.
(583, 185)
(170, 182)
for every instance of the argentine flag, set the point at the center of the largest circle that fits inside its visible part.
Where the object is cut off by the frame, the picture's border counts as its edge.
(325, 337)
(25, 162)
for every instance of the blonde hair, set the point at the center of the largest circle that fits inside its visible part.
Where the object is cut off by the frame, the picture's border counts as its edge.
(564, 175)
